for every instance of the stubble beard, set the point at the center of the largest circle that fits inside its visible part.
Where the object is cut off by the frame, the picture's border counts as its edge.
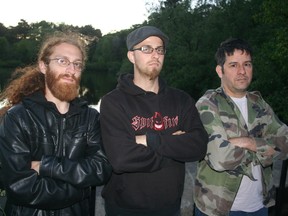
(151, 74)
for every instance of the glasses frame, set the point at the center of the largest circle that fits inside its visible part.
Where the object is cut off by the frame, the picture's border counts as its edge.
(150, 49)
(67, 63)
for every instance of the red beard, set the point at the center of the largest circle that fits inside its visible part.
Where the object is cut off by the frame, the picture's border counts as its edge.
(62, 91)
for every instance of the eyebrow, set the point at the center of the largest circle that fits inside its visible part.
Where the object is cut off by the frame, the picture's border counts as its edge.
(152, 46)
(235, 62)
(59, 56)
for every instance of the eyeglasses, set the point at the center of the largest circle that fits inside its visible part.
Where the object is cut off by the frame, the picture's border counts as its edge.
(148, 49)
(64, 62)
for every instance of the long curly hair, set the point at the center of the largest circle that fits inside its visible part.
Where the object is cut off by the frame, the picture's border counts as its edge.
(27, 80)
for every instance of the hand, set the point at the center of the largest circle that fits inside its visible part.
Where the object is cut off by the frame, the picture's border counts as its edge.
(35, 165)
(141, 139)
(179, 132)
(244, 142)
(269, 152)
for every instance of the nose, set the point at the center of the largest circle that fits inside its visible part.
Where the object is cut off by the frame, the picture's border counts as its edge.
(242, 69)
(71, 68)
(155, 53)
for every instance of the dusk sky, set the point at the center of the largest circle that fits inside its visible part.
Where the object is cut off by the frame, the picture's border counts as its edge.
(106, 15)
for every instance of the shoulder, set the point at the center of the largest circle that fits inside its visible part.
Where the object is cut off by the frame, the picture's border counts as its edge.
(93, 110)
(256, 98)
(255, 95)
(209, 96)
(16, 114)
(211, 93)
(92, 114)
(111, 95)
(214, 100)
(175, 92)
(114, 100)
(16, 110)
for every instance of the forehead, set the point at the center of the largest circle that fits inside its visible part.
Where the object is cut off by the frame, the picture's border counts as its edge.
(152, 40)
(67, 49)
(238, 55)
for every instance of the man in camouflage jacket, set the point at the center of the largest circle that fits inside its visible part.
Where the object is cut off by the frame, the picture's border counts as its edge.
(237, 145)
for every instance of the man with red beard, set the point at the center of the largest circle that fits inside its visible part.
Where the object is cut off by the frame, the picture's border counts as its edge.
(149, 131)
(50, 141)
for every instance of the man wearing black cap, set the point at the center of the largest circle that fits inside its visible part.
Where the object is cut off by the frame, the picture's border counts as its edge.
(149, 131)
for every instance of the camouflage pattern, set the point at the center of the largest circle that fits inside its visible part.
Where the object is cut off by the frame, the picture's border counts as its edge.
(219, 174)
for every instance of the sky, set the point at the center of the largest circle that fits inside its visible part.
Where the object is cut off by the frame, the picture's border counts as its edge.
(107, 15)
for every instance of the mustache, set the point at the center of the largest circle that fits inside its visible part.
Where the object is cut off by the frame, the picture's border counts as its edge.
(67, 75)
(242, 77)
(154, 61)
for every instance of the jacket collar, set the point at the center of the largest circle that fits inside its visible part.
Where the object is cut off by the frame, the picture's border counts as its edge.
(38, 98)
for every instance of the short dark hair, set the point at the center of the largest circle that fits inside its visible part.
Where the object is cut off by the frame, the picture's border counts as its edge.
(228, 47)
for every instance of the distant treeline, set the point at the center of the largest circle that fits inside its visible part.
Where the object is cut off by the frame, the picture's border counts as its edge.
(194, 33)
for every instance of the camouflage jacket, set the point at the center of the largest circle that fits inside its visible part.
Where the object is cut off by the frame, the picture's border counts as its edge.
(219, 175)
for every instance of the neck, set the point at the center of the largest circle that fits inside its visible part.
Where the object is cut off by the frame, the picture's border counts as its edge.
(62, 106)
(149, 85)
(238, 94)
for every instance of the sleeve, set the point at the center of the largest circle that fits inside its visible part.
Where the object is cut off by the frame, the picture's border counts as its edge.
(124, 154)
(93, 169)
(189, 146)
(221, 154)
(23, 185)
(275, 136)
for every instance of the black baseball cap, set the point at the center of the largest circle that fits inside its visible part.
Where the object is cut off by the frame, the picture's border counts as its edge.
(140, 34)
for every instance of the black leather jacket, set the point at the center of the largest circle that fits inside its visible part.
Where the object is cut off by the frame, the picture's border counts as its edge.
(70, 150)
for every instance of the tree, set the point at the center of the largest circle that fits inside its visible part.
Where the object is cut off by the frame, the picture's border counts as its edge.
(21, 30)
(4, 44)
(40, 29)
(272, 63)
(3, 30)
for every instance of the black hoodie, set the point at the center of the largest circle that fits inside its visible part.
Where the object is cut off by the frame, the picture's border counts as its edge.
(149, 179)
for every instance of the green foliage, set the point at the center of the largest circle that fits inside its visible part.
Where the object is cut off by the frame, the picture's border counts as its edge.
(4, 74)
(24, 50)
(4, 44)
(194, 33)
(272, 59)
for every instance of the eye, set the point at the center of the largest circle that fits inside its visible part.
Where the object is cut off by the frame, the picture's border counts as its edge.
(63, 61)
(78, 65)
(248, 64)
(147, 49)
(160, 50)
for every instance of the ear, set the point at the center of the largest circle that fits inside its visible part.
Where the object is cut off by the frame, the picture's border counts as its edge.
(219, 71)
(43, 67)
(130, 55)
